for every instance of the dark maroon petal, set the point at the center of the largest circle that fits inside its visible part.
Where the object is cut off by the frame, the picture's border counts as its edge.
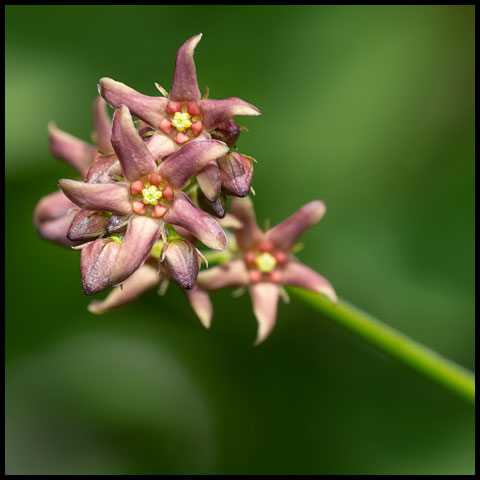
(227, 132)
(236, 172)
(250, 234)
(265, 300)
(189, 160)
(142, 232)
(204, 227)
(143, 279)
(215, 112)
(299, 275)
(208, 179)
(231, 274)
(180, 263)
(101, 197)
(87, 225)
(286, 234)
(71, 150)
(103, 125)
(185, 86)
(96, 263)
(134, 156)
(200, 302)
(216, 208)
(151, 110)
(104, 169)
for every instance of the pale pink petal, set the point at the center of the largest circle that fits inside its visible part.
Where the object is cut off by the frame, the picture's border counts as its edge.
(265, 300)
(203, 226)
(142, 232)
(134, 156)
(50, 207)
(190, 159)
(160, 145)
(299, 275)
(215, 112)
(144, 278)
(208, 179)
(286, 234)
(230, 221)
(55, 230)
(231, 274)
(250, 234)
(185, 86)
(201, 305)
(71, 150)
(151, 110)
(104, 169)
(103, 125)
(101, 197)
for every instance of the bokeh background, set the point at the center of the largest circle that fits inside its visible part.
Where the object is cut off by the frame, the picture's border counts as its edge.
(370, 109)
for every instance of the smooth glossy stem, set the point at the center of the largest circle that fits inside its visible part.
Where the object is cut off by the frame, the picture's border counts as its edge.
(396, 344)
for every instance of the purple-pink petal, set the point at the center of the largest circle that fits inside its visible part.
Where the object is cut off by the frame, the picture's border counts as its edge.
(201, 305)
(151, 110)
(101, 197)
(285, 234)
(208, 179)
(215, 112)
(265, 300)
(191, 158)
(180, 263)
(201, 225)
(140, 281)
(231, 274)
(50, 207)
(55, 230)
(185, 86)
(104, 169)
(87, 225)
(70, 149)
(297, 274)
(160, 145)
(236, 172)
(97, 260)
(133, 154)
(103, 125)
(142, 232)
(250, 234)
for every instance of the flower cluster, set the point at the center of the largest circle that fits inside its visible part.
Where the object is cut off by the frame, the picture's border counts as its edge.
(152, 188)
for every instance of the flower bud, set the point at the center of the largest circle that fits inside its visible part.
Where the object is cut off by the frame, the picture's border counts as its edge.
(228, 132)
(216, 208)
(180, 262)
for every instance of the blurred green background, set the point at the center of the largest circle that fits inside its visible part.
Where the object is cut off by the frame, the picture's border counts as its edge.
(370, 109)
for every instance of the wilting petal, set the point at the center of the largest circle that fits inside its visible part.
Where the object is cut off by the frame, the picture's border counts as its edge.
(103, 125)
(180, 263)
(208, 179)
(96, 263)
(231, 274)
(143, 279)
(151, 110)
(185, 86)
(299, 275)
(190, 159)
(71, 150)
(201, 304)
(142, 232)
(215, 208)
(160, 145)
(236, 172)
(265, 300)
(87, 225)
(104, 169)
(250, 234)
(50, 207)
(132, 152)
(204, 227)
(101, 197)
(285, 234)
(214, 112)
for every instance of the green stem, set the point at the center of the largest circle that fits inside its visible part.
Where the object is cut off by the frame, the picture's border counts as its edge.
(397, 345)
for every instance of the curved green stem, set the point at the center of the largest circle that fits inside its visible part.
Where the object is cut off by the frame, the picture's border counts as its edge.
(397, 345)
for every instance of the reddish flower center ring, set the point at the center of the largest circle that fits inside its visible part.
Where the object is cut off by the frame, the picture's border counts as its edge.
(183, 121)
(265, 265)
(151, 196)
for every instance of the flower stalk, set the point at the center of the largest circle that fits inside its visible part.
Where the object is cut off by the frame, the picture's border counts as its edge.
(395, 344)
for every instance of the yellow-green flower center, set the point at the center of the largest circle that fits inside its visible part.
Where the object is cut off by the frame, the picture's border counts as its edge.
(151, 195)
(266, 263)
(181, 121)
